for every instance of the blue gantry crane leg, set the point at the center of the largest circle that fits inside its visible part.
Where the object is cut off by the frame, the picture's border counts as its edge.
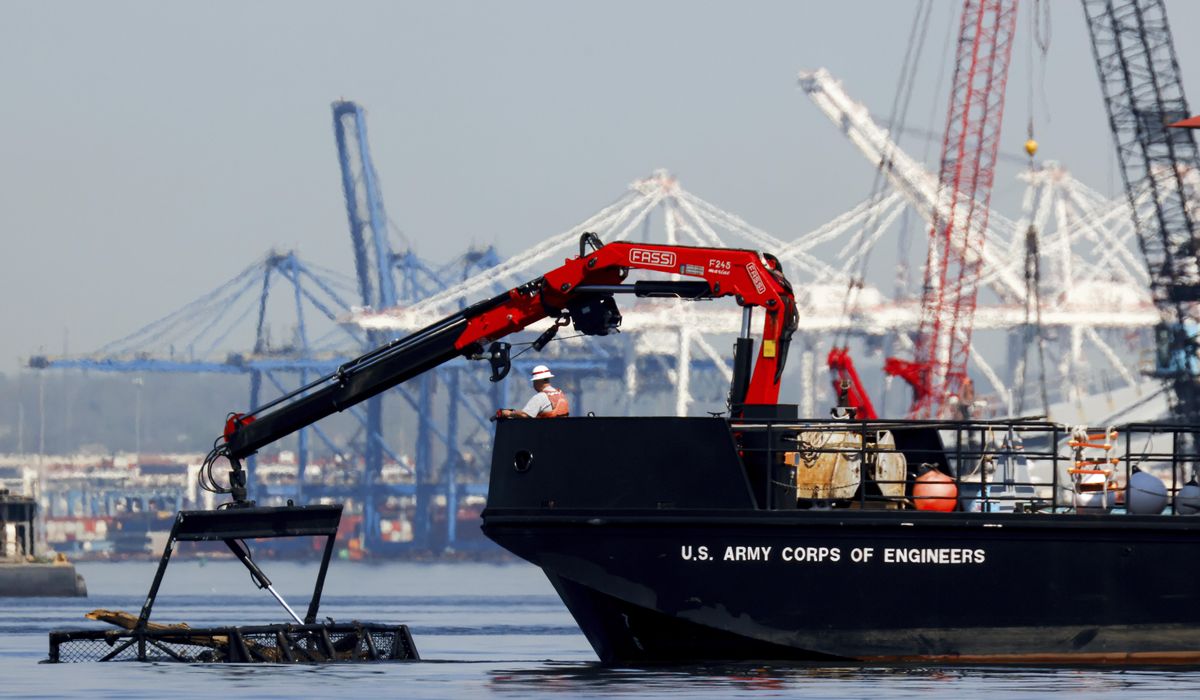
(388, 278)
(372, 262)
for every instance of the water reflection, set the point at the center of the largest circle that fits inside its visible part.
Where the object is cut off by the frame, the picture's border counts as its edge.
(476, 642)
(842, 681)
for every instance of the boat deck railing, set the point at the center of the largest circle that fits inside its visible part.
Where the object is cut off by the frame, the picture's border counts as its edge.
(995, 465)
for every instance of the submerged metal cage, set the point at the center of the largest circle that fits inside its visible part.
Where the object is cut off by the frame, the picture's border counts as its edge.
(305, 641)
(320, 643)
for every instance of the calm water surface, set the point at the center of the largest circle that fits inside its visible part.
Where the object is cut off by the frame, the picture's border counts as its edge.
(482, 629)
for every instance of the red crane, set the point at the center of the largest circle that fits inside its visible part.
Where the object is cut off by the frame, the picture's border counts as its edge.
(938, 370)
(580, 291)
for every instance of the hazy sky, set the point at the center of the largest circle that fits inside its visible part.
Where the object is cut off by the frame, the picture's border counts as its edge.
(149, 150)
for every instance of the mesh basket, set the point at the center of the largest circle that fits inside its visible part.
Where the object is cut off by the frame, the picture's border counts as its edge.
(325, 643)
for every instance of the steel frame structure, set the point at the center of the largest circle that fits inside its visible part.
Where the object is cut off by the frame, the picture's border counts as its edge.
(1143, 93)
(1094, 286)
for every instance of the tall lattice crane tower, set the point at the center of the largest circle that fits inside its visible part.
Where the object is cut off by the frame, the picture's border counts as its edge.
(1143, 92)
(938, 371)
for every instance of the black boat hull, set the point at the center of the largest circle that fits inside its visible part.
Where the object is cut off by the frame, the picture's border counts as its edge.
(1075, 595)
(676, 583)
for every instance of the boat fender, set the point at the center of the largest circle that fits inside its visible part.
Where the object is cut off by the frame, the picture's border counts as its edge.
(1187, 501)
(1095, 493)
(1147, 494)
(934, 491)
(1092, 502)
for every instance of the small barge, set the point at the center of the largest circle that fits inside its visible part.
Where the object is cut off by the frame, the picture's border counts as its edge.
(22, 573)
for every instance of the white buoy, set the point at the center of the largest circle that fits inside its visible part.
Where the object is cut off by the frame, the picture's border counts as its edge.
(1095, 501)
(1146, 495)
(1187, 501)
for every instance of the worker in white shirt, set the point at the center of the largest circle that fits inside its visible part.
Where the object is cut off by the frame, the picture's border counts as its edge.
(546, 402)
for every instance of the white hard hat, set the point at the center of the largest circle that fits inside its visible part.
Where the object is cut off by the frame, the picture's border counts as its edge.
(540, 372)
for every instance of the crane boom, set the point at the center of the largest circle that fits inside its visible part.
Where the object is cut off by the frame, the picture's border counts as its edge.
(580, 292)
(1143, 93)
(938, 370)
(907, 176)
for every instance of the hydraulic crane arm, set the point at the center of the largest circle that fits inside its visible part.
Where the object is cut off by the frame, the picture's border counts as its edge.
(579, 292)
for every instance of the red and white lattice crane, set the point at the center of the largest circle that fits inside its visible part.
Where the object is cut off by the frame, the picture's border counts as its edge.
(938, 370)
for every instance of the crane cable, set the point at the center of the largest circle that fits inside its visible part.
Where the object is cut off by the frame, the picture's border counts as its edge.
(904, 242)
(205, 477)
(1039, 36)
(897, 119)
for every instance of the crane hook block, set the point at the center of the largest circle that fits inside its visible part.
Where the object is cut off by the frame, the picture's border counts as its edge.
(498, 357)
(545, 338)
